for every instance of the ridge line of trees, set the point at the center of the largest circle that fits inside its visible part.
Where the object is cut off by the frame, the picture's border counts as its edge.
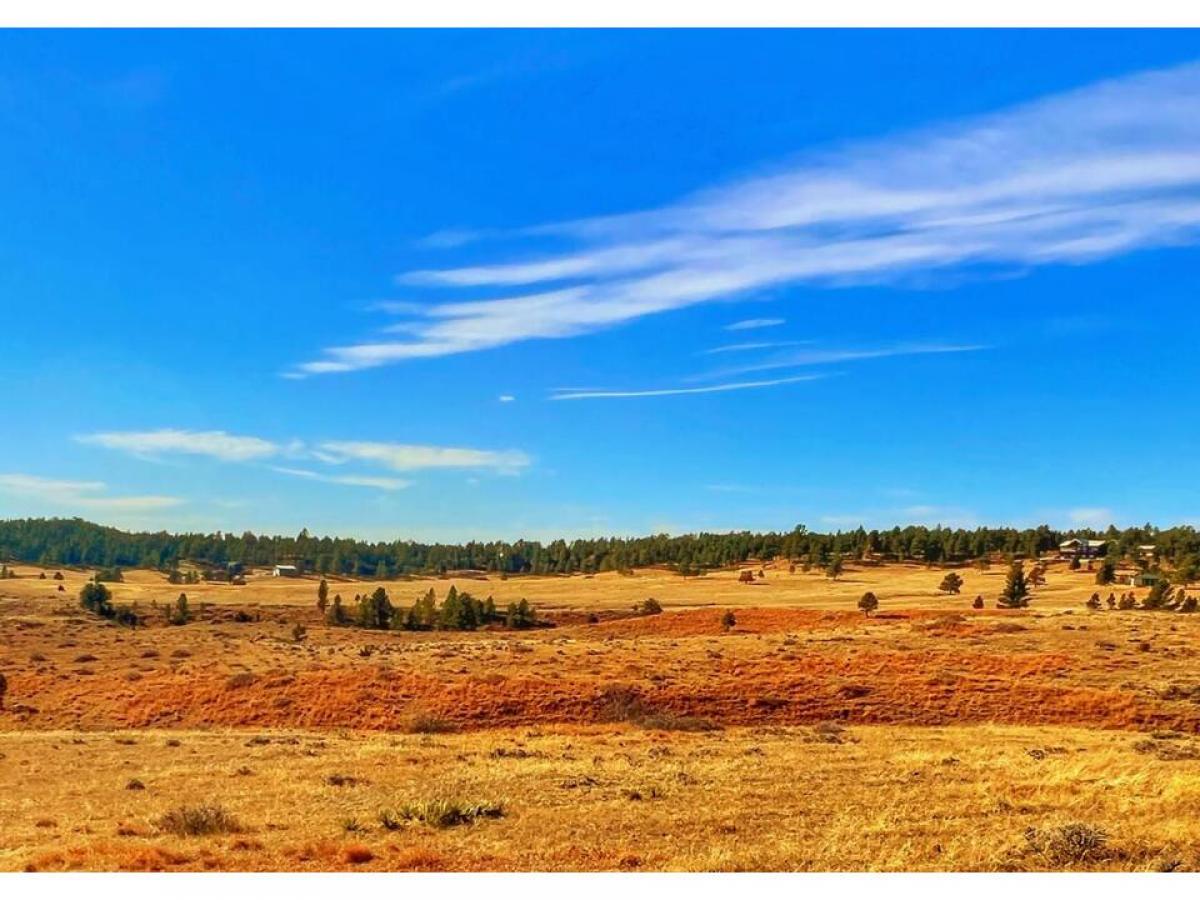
(76, 542)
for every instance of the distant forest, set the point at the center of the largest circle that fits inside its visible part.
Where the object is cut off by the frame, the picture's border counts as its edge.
(75, 542)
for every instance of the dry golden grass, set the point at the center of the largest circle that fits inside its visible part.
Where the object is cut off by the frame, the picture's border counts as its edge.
(864, 798)
(907, 586)
(657, 742)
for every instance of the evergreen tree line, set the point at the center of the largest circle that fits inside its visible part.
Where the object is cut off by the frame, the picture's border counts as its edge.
(459, 611)
(75, 542)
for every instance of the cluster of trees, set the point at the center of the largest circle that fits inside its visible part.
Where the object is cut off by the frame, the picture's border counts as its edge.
(1162, 596)
(459, 611)
(77, 542)
(96, 598)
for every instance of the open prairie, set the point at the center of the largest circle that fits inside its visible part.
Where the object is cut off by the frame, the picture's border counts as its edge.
(805, 736)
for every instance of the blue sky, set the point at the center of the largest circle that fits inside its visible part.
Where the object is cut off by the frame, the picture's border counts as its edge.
(451, 285)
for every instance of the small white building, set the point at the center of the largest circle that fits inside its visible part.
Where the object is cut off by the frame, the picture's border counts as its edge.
(285, 571)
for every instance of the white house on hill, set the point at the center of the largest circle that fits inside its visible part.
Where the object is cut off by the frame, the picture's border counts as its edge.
(285, 571)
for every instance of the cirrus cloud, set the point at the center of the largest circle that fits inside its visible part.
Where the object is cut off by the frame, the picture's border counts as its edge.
(215, 444)
(79, 495)
(1069, 179)
(408, 457)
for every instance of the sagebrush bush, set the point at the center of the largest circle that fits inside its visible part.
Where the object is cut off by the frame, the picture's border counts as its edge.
(1073, 843)
(193, 821)
(440, 812)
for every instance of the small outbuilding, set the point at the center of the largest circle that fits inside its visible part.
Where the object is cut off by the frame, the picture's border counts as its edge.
(1082, 548)
(285, 572)
(1144, 579)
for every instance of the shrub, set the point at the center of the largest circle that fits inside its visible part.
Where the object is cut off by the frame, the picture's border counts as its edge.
(193, 821)
(868, 603)
(179, 613)
(520, 615)
(728, 620)
(977, 603)
(1068, 844)
(746, 576)
(648, 607)
(337, 615)
(299, 633)
(1127, 601)
(96, 598)
(1094, 601)
(440, 812)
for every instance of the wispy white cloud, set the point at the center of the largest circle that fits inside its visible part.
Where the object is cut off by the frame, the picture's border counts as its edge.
(409, 457)
(750, 324)
(832, 356)
(243, 449)
(673, 392)
(215, 444)
(751, 345)
(1072, 178)
(368, 481)
(81, 495)
(506, 398)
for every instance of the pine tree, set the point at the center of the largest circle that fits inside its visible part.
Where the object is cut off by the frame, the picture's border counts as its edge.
(375, 611)
(835, 567)
(179, 615)
(1016, 588)
(451, 611)
(952, 583)
(1159, 596)
(336, 615)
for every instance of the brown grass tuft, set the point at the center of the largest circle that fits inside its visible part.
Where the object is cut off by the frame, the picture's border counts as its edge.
(202, 819)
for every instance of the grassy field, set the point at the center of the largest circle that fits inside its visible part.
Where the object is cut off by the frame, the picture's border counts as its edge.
(929, 736)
